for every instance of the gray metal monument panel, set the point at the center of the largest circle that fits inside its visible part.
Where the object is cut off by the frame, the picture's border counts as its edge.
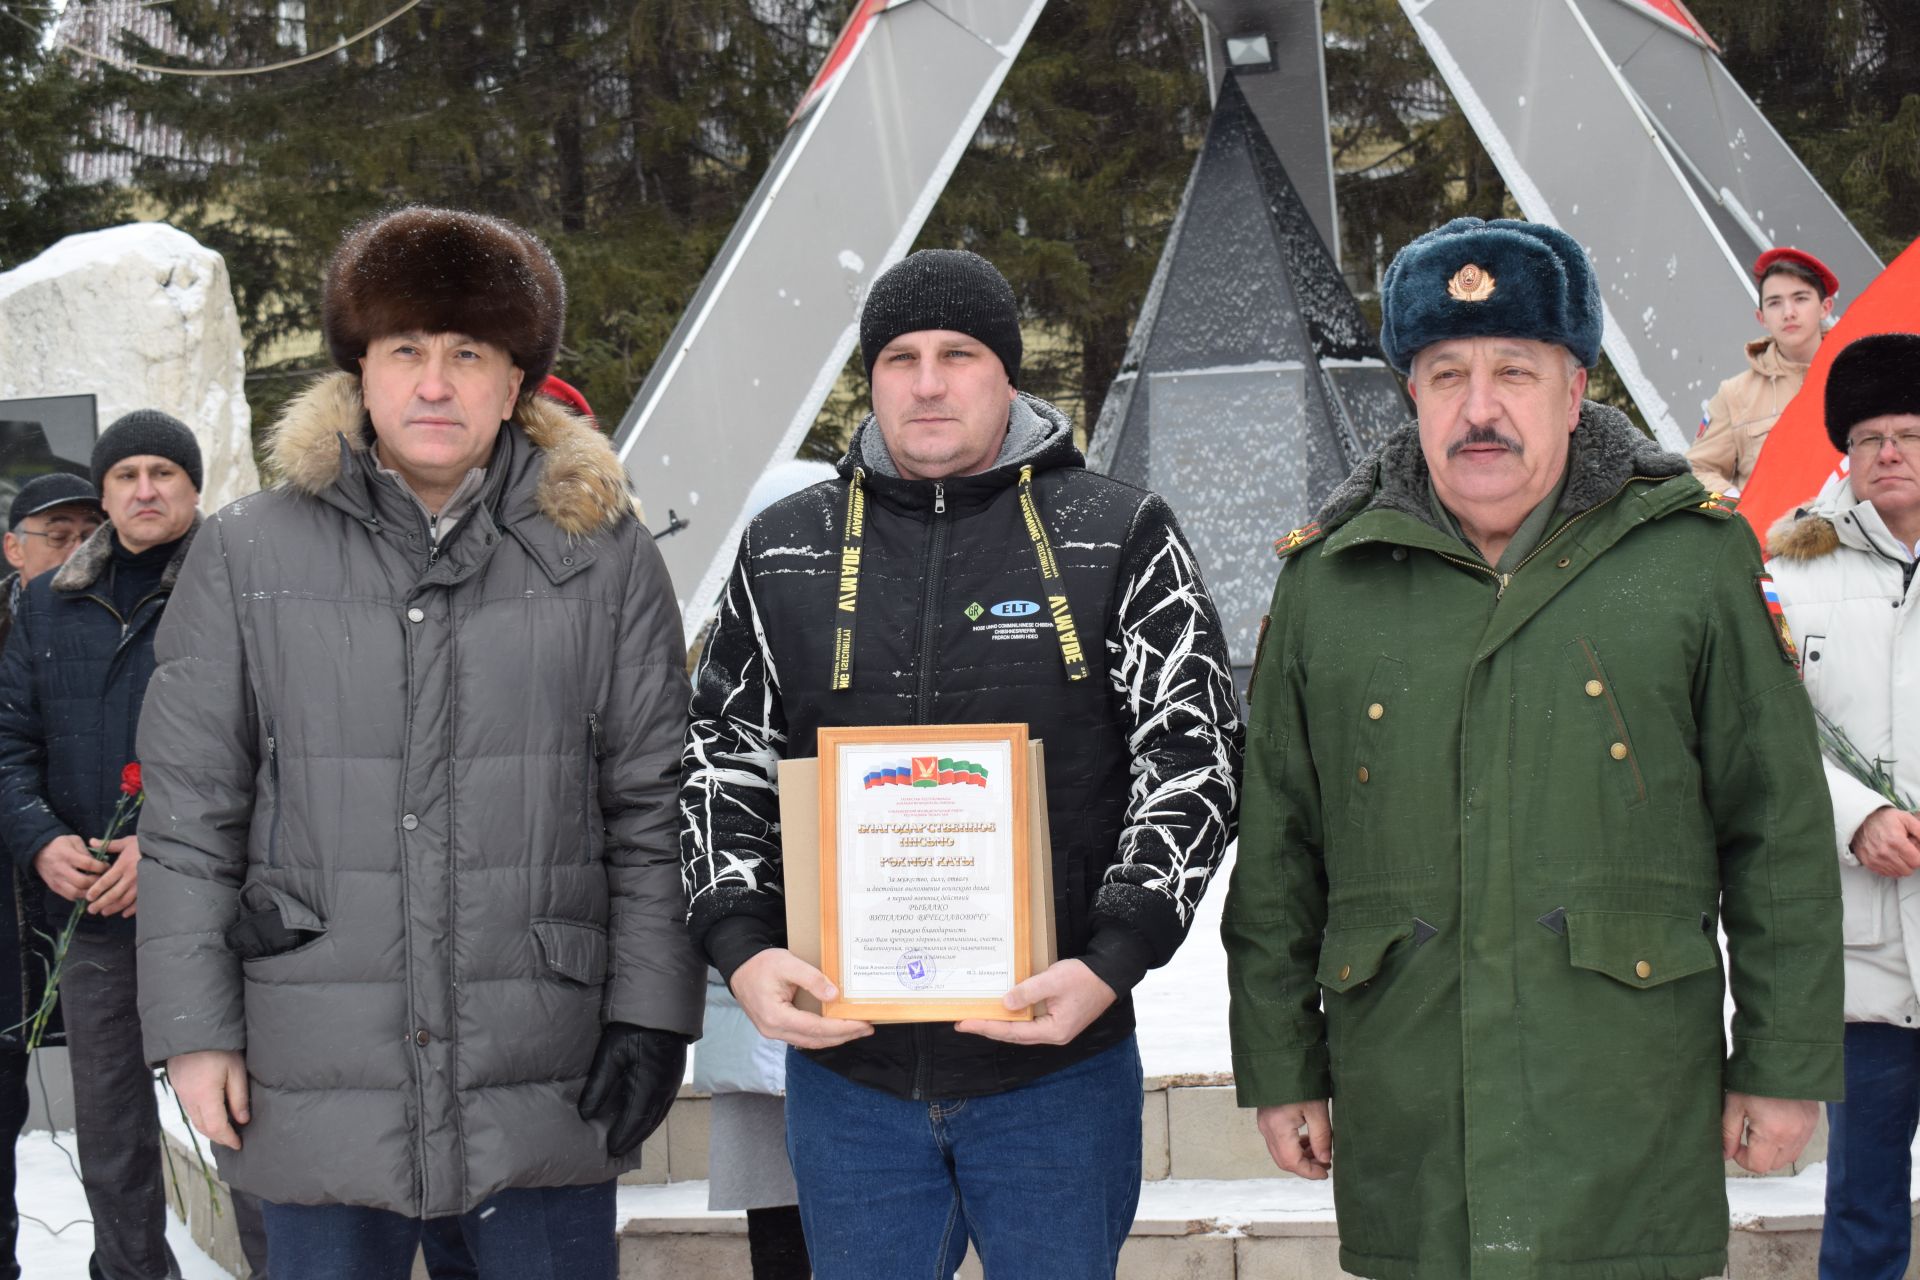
(1227, 300)
(1227, 452)
(1252, 384)
(758, 350)
(1373, 402)
(1735, 152)
(1289, 101)
(1549, 106)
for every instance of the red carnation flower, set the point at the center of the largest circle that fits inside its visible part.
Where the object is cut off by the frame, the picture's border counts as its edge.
(130, 779)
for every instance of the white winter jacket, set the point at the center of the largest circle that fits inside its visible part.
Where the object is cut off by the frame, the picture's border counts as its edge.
(1847, 585)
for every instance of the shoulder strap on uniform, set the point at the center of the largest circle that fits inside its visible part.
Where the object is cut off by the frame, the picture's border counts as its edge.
(1295, 539)
(1718, 506)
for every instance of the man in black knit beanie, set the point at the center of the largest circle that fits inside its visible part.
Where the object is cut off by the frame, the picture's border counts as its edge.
(965, 567)
(72, 681)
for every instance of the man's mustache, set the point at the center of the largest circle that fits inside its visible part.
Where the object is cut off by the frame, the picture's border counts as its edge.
(1485, 435)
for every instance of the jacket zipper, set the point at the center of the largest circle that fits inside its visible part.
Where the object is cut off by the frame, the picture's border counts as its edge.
(1505, 579)
(931, 581)
(592, 770)
(932, 574)
(273, 782)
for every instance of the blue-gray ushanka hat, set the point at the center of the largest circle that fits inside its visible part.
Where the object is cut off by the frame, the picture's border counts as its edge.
(1499, 279)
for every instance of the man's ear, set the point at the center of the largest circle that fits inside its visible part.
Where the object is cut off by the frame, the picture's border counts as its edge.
(16, 554)
(1578, 384)
(514, 383)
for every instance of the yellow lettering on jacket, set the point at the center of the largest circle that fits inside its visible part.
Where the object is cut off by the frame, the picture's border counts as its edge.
(1063, 626)
(849, 577)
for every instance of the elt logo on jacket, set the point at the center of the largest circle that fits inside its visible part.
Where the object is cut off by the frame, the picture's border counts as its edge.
(1012, 619)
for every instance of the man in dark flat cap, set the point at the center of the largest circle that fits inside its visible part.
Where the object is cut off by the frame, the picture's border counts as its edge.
(72, 682)
(1524, 740)
(50, 516)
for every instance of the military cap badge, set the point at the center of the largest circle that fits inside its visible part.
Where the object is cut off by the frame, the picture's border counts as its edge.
(1471, 283)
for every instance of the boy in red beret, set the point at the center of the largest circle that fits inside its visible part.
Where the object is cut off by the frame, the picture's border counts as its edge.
(1796, 302)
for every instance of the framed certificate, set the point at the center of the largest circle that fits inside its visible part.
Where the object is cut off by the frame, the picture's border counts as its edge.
(925, 914)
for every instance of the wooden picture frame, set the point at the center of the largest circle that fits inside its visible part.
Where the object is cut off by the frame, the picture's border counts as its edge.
(924, 845)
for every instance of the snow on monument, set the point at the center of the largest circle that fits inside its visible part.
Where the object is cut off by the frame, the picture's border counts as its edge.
(1253, 384)
(142, 317)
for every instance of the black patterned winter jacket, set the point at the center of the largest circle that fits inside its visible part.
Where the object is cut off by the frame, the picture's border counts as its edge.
(1128, 685)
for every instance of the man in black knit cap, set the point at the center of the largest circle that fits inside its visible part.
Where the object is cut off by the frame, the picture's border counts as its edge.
(71, 684)
(907, 590)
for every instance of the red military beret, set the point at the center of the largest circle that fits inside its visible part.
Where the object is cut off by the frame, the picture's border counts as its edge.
(1800, 258)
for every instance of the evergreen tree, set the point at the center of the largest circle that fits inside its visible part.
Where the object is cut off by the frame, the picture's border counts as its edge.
(49, 109)
(631, 132)
(1841, 83)
(626, 133)
(1073, 180)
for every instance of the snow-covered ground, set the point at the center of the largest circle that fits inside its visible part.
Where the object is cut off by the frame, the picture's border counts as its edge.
(56, 1231)
(1182, 1007)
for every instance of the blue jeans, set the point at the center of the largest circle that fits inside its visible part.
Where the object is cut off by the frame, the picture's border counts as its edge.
(1869, 1156)
(528, 1233)
(1043, 1179)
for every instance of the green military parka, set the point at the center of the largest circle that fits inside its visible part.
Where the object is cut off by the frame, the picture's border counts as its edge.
(1491, 832)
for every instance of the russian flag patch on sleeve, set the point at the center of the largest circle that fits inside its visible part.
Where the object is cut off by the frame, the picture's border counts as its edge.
(1770, 596)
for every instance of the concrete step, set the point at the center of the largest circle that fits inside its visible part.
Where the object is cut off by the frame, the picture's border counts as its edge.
(1274, 1228)
(1236, 1229)
(1191, 1128)
(1213, 1206)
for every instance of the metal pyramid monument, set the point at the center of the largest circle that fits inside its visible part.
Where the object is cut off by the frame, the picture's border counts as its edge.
(1253, 383)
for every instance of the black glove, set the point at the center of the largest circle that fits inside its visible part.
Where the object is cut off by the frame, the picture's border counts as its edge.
(636, 1074)
(259, 934)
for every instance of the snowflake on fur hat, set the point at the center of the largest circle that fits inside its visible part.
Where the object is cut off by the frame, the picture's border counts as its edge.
(1499, 279)
(426, 270)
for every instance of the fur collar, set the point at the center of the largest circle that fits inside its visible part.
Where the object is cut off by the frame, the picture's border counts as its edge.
(1608, 451)
(581, 489)
(90, 559)
(1803, 535)
(1808, 532)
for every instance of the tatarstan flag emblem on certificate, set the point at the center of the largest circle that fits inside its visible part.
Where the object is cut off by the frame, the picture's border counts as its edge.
(928, 771)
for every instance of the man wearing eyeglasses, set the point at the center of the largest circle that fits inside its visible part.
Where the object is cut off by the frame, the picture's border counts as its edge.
(1843, 566)
(72, 680)
(49, 517)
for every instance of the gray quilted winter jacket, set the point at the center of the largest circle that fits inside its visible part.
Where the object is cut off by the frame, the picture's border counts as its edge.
(457, 771)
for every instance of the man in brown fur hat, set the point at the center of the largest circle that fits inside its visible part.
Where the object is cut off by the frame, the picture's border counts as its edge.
(411, 926)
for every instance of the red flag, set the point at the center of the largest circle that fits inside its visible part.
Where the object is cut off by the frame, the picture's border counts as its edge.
(1797, 458)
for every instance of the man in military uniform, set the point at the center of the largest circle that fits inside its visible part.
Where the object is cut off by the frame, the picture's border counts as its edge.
(1523, 741)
